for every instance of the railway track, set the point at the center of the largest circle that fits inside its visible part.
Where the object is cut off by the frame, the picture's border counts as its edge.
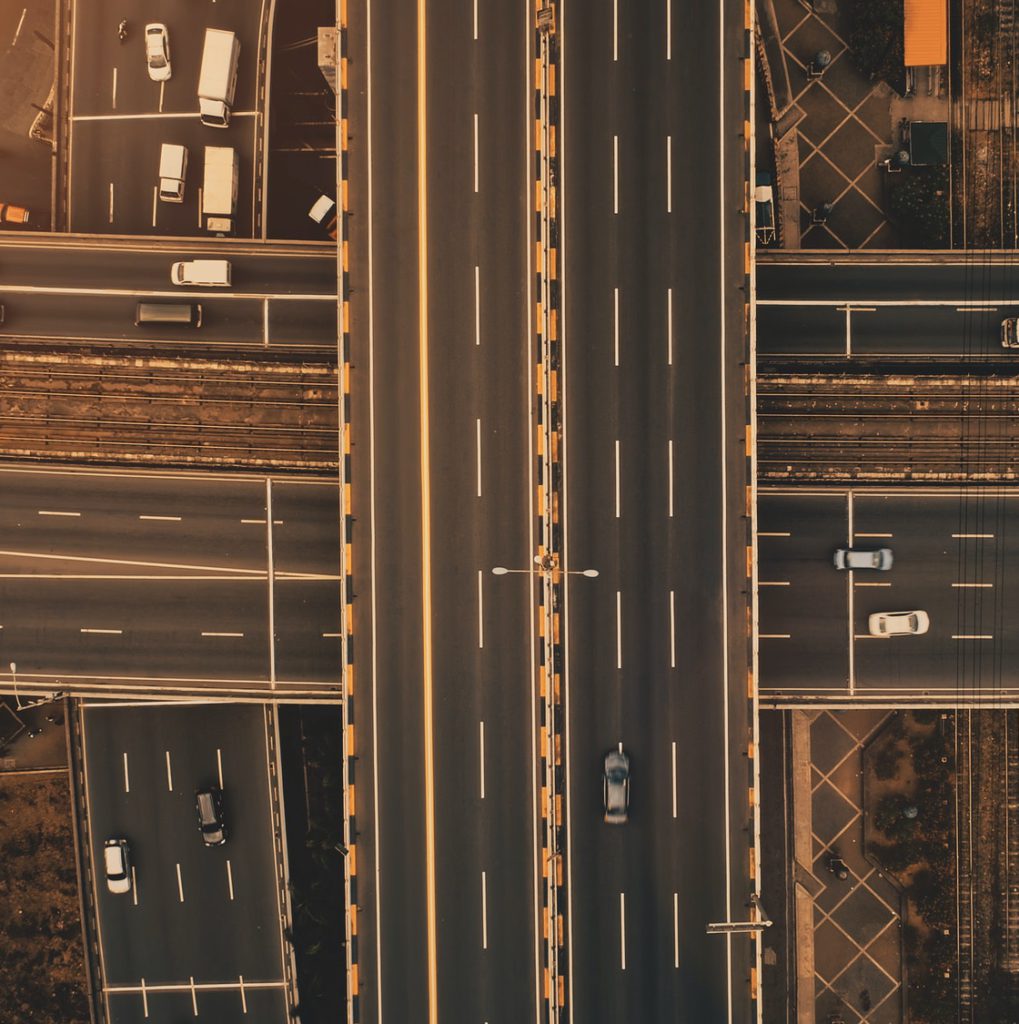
(816, 427)
(181, 411)
(965, 888)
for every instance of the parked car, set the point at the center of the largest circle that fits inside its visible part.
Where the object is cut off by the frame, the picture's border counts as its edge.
(616, 786)
(854, 558)
(11, 214)
(1010, 332)
(899, 623)
(209, 807)
(117, 864)
(323, 213)
(157, 51)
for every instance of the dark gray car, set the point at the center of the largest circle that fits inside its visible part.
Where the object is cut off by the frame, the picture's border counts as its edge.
(616, 786)
(209, 807)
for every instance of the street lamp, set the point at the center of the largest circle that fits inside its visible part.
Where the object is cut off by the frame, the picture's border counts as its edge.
(14, 680)
(501, 570)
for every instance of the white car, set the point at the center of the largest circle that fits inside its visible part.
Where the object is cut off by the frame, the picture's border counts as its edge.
(899, 623)
(157, 51)
(117, 862)
(854, 558)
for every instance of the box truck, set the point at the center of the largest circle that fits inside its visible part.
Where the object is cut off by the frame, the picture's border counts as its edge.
(219, 189)
(218, 79)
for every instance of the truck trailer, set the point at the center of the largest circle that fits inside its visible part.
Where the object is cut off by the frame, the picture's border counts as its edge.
(219, 189)
(217, 82)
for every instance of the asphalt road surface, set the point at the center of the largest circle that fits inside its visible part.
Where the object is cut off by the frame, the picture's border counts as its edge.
(119, 117)
(657, 660)
(952, 550)
(281, 296)
(911, 311)
(128, 581)
(448, 869)
(200, 933)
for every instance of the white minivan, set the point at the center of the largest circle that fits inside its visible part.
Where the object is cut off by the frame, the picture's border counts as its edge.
(173, 171)
(201, 273)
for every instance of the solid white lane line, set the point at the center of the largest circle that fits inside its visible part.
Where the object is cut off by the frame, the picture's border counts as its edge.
(134, 886)
(180, 885)
(615, 174)
(484, 911)
(617, 478)
(668, 174)
(206, 633)
(619, 629)
(475, 152)
(111, 202)
(622, 931)
(672, 628)
(481, 756)
(230, 879)
(674, 781)
(477, 305)
(127, 778)
(47, 512)
(972, 536)
(670, 327)
(668, 29)
(104, 632)
(478, 438)
(615, 30)
(481, 612)
(269, 572)
(675, 930)
(219, 766)
(974, 586)
(113, 99)
(162, 519)
(615, 315)
(671, 484)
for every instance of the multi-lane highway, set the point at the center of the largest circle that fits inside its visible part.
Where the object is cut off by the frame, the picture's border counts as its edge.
(77, 291)
(654, 477)
(144, 582)
(200, 933)
(442, 389)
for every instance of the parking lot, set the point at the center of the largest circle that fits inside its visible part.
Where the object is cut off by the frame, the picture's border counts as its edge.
(952, 552)
(200, 933)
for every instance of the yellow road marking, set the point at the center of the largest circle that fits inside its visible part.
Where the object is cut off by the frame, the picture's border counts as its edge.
(426, 523)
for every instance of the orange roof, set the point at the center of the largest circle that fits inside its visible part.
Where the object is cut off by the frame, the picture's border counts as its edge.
(926, 32)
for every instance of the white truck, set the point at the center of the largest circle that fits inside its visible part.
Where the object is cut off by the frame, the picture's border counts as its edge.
(218, 79)
(219, 189)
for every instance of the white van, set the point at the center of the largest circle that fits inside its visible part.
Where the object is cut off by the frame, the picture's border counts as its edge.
(173, 170)
(201, 273)
(217, 81)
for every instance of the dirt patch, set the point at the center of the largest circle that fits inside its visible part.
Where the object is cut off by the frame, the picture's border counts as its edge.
(42, 962)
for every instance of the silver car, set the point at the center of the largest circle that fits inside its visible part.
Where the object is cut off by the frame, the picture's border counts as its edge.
(616, 786)
(854, 558)
(899, 623)
(117, 865)
(157, 52)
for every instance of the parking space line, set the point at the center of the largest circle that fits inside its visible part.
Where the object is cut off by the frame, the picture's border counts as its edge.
(776, 533)
(180, 885)
(47, 512)
(194, 997)
(104, 632)
(857, 583)
(162, 90)
(219, 766)
(774, 636)
(155, 203)
(774, 583)
(973, 536)
(873, 534)
(244, 998)
(134, 886)
(127, 781)
(111, 203)
(113, 98)
(230, 878)
(145, 999)
(972, 636)
(169, 773)
(213, 633)
(973, 586)
(162, 519)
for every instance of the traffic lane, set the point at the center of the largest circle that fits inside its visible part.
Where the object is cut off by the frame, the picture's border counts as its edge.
(306, 526)
(233, 322)
(306, 625)
(98, 49)
(163, 525)
(931, 331)
(117, 191)
(159, 628)
(801, 330)
(391, 618)
(257, 1006)
(797, 279)
(146, 268)
(144, 765)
